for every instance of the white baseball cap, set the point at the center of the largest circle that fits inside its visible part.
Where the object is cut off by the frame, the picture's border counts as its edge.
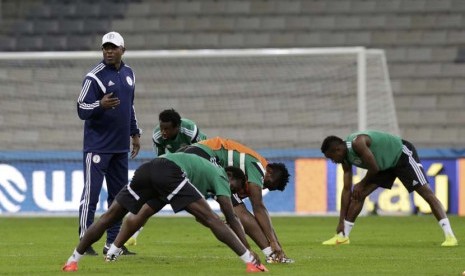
(113, 38)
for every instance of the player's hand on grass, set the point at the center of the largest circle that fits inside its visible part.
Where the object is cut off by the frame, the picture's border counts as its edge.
(280, 255)
(278, 252)
(276, 248)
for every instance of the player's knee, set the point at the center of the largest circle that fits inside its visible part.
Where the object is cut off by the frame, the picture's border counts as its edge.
(212, 221)
(114, 213)
(106, 219)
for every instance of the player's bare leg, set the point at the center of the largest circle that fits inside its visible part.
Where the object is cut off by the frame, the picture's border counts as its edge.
(355, 207)
(203, 213)
(115, 213)
(438, 211)
(132, 223)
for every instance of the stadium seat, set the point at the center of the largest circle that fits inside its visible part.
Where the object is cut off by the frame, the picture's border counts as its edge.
(422, 42)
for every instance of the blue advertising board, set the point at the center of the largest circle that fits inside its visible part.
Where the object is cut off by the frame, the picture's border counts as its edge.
(52, 182)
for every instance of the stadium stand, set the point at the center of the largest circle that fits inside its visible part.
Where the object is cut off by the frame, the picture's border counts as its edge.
(422, 39)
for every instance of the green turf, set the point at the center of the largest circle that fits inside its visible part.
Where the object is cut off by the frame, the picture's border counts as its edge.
(181, 246)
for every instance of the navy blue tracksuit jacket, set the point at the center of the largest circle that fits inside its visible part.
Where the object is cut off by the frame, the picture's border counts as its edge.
(106, 138)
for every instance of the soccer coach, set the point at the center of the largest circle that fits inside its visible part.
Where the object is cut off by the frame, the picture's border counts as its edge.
(106, 103)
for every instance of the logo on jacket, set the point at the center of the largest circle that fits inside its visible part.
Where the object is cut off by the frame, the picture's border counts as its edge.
(110, 83)
(96, 159)
(129, 80)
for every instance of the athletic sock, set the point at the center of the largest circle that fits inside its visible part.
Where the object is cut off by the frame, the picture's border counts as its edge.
(75, 257)
(445, 225)
(348, 227)
(267, 251)
(247, 257)
(113, 249)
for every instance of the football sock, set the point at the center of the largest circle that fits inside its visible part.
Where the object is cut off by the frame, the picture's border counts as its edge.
(113, 249)
(137, 233)
(247, 257)
(445, 225)
(75, 257)
(267, 251)
(348, 227)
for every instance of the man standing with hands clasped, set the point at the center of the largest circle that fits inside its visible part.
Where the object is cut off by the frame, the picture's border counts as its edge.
(106, 103)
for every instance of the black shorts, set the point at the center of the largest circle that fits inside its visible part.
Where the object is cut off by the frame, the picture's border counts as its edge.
(236, 200)
(157, 183)
(408, 169)
(200, 152)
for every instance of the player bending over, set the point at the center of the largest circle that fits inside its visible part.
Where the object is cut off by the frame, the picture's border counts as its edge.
(260, 175)
(385, 157)
(182, 180)
(171, 133)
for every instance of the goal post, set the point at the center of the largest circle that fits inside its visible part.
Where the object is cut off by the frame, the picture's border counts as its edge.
(266, 98)
(281, 102)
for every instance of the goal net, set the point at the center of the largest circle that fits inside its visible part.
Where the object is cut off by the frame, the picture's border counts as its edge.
(284, 99)
(265, 98)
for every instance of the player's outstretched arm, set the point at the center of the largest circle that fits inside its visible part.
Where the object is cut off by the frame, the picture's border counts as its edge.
(346, 194)
(231, 218)
(251, 226)
(263, 218)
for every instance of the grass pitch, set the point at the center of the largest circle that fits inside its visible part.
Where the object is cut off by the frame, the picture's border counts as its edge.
(180, 246)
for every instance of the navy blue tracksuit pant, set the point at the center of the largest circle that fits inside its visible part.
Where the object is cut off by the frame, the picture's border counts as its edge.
(112, 166)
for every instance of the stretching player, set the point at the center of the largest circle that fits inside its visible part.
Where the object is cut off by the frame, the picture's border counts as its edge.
(182, 180)
(225, 152)
(174, 132)
(260, 175)
(169, 135)
(385, 157)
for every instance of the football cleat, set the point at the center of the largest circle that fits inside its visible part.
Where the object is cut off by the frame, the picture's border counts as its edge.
(113, 257)
(90, 251)
(131, 242)
(450, 241)
(124, 249)
(251, 267)
(68, 267)
(337, 240)
(271, 259)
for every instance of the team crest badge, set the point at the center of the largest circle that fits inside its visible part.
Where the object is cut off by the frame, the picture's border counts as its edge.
(96, 159)
(129, 80)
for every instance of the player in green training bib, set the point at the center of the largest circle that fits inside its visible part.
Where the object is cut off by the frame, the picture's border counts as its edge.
(174, 132)
(385, 157)
(260, 174)
(183, 181)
